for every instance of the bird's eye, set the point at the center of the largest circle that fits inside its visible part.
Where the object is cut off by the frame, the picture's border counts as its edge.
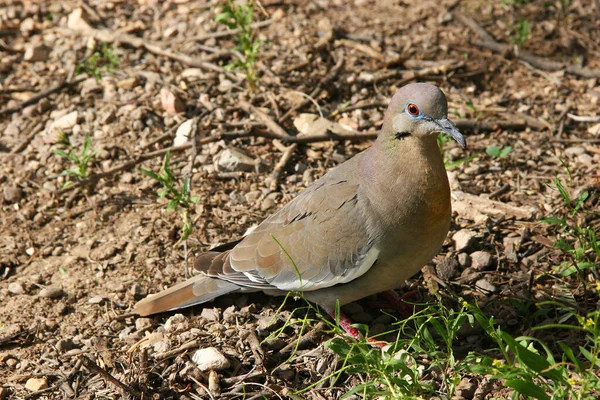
(413, 109)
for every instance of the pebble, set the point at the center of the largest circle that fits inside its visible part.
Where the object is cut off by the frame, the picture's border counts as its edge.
(585, 159)
(142, 324)
(253, 196)
(464, 260)
(447, 269)
(463, 240)
(510, 248)
(36, 384)
(12, 194)
(177, 322)
(210, 358)
(16, 288)
(575, 150)
(65, 345)
(269, 323)
(51, 292)
(232, 159)
(267, 204)
(480, 260)
(485, 286)
(210, 314)
(137, 290)
(12, 363)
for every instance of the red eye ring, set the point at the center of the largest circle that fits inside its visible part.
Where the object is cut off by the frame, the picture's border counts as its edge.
(413, 109)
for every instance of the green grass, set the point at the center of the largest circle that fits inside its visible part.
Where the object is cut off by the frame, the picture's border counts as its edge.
(80, 161)
(240, 17)
(106, 59)
(179, 196)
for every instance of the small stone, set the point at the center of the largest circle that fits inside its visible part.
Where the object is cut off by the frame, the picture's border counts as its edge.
(210, 314)
(269, 323)
(128, 83)
(575, 150)
(65, 345)
(137, 290)
(36, 384)
(76, 21)
(585, 159)
(480, 260)
(485, 286)
(12, 364)
(510, 248)
(51, 292)
(463, 239)
(90, 86)
(126, 177)
(142, 324)
(447, 269)
(27, 25)
(177, 322)
(65, 122)
(253, 196)
(210, 358)
(232, 159)
(267, 204)
(362, 317)
(464, 260)
(16, 288)
(36, 53)
(229, 314)
(171, 103)
(96, 300)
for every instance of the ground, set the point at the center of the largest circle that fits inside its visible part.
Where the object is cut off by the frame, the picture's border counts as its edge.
(74, 260)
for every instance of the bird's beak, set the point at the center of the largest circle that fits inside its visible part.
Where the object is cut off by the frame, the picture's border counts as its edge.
(448, 127)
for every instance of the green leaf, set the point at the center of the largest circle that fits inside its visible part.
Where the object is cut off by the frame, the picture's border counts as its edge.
(505, 151)
(151, 174)
(554, 221)
(571, 356)
(532, 360)
(172, 205)
(493, 151)
(60, 153)
(527, 388)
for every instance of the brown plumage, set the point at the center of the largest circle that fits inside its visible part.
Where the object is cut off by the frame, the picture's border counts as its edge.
(364, 227)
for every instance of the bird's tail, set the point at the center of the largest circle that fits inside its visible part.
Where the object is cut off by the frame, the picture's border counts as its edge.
(196, 290)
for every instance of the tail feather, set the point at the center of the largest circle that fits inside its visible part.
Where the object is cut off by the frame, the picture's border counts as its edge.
(196, 290)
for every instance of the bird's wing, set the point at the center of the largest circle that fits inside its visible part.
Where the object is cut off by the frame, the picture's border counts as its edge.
(317, 240)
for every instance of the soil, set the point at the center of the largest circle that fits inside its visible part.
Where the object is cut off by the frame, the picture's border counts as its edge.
(74, 260)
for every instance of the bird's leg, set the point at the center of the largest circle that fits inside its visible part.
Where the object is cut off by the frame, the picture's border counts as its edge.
(397, 302)
(346, 325)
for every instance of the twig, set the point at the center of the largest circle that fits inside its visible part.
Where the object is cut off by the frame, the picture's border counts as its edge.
(538, 62)
(93, 367)
(188, 177)
(36, 128)
(184, 347)
(34, 99)
(265, 119)
(229, 32)
(326, 80)
(254, 344)
(583, 118)
(285, 158)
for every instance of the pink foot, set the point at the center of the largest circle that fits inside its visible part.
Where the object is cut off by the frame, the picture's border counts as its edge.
(397, 302)
(346, 325)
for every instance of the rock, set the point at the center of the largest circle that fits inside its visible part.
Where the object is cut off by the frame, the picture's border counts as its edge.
(183, 134)
(447, 269)
(464, 260)
(510, 248)
(352, 308)
(104, 252)
(229, 314)
(362, 317)
(128, 83)
(466, 389)
(16, 288)
(76, 21)
(232, 159)
(585, 159)
(485, 286)
(27, 25)
(575, 151)
(65, 345)
(89, 86)
(65, 122)
(177, 322)
(210, 358)
(480, 260)
(51, 292)
(253, 196)
(267, 204)
(269, 323)
(36, 384)
(137, 290)
(210, 314)
(36, 53)
(142, 324)
(236, 197)
(463, 240)
(170, 102)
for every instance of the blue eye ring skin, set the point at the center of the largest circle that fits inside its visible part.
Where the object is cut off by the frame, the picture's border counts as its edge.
(413, 110)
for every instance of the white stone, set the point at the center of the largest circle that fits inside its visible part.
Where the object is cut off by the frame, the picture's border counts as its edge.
(210, 358)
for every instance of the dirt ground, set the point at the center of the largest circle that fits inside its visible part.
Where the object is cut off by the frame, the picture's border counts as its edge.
(74, 261)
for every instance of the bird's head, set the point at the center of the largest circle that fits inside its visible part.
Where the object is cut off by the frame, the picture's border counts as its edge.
(419, 110)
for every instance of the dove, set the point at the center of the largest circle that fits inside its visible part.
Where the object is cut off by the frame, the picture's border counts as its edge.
(364, 227)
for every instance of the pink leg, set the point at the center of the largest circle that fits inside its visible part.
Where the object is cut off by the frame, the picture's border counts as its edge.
(346, 325)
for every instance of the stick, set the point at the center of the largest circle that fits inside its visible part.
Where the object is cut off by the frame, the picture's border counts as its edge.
(34, 99)
(184, 347)
(229, 32)
(265, 119)
(538, 62)
(285, 158)
(93, 367)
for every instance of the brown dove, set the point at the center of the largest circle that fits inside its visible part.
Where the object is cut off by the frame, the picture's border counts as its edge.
(364, 227)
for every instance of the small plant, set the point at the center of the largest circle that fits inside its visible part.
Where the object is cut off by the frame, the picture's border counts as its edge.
(81, 161)
(177, 197)
(106, 59)
(522, 32)
(444, 139)
(240, 17)
(580, 242)
(498, 152)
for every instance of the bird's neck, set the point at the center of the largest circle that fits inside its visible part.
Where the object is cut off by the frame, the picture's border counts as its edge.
(402, 177)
